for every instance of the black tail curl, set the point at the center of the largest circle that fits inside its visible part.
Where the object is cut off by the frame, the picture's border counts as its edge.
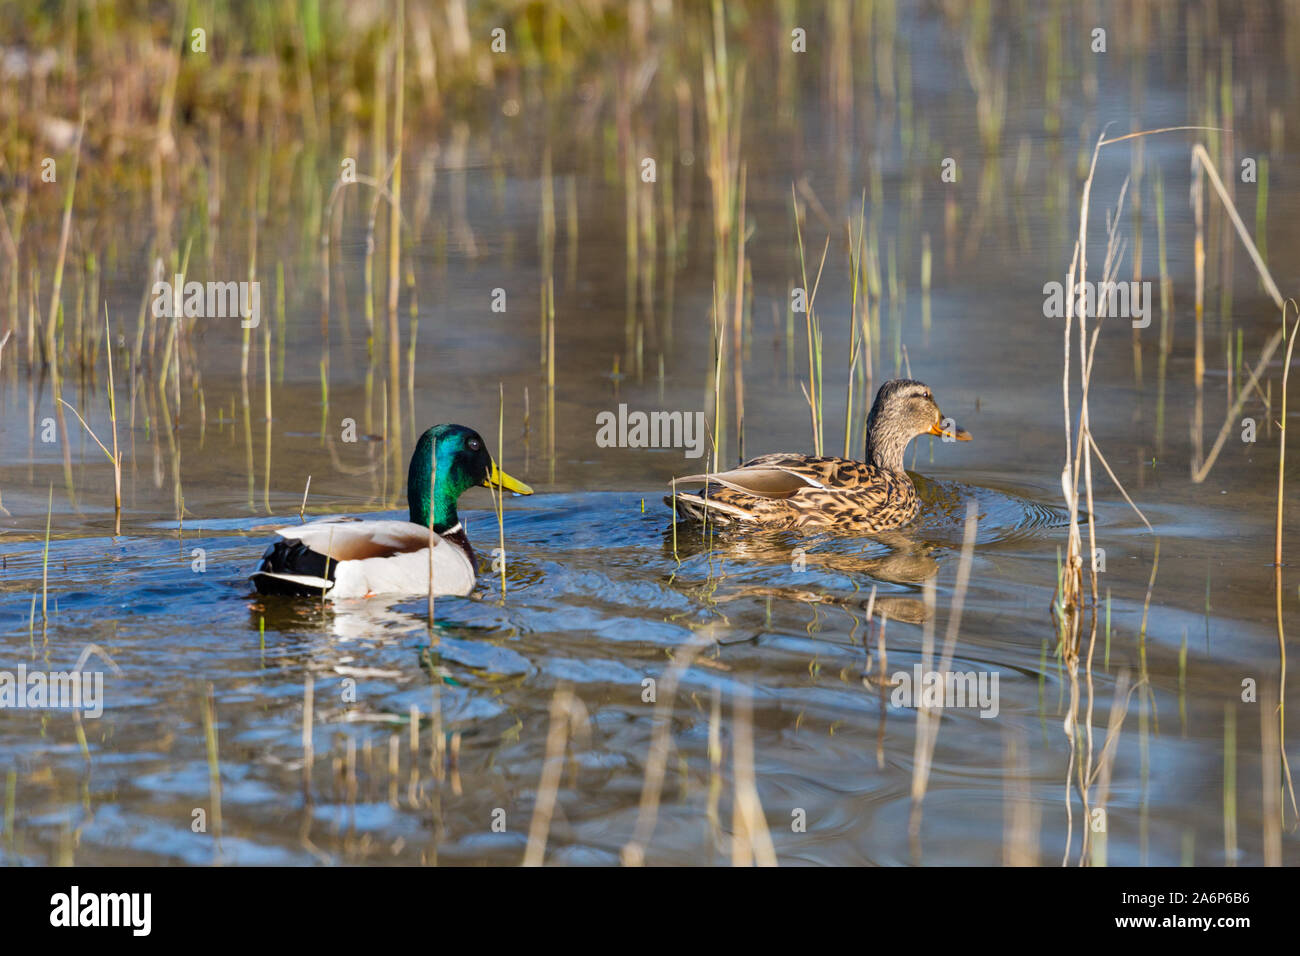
(292, 557)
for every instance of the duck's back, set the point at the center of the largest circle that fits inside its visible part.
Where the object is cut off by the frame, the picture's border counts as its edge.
(348, 558)
(407, 573)
(816, 493)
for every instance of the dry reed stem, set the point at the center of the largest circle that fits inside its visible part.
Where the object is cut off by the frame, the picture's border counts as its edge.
(1102, 774)
(1200, 155)
(209, 706)
(1203, 161)
(927, 727)
(737, 327)
(1078, 467)
(1020, 814)
(308, 745)
(1277, 566)
(1270, 784)
(500, 492)
(395, 237)
(1079, 457)
(751, 842)
(657, 759)
(567, 714)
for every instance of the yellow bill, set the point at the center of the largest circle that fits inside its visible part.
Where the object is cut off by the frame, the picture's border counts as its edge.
(959, 434)
(498, 478)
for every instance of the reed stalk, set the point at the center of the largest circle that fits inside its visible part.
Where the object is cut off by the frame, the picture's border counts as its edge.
(1277, 562)
(499, 491)
(633, 853)
(114, 456)
(855, 334)
(565, 711)
(209, 708)
(56, 301)
(395, 234)
(813, 391)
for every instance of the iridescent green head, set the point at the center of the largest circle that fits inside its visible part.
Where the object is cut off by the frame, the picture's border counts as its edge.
(438, 478)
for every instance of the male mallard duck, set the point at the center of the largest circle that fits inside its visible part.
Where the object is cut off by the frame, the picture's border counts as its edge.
(348, 558)
(790, 491)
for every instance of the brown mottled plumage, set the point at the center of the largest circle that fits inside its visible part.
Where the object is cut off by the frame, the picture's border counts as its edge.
(787, 491)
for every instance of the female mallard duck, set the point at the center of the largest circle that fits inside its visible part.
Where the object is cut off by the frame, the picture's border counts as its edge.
(789, 491)
(350, 558)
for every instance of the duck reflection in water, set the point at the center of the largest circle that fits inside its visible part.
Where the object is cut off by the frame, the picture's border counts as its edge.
(906, 561)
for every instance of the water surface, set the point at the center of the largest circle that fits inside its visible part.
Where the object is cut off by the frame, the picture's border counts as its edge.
(601, 593)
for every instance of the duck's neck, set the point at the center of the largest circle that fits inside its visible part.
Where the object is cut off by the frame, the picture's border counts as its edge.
(886, 444)
(438, 487)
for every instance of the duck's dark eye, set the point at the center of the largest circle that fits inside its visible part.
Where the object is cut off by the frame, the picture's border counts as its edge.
(475, 444)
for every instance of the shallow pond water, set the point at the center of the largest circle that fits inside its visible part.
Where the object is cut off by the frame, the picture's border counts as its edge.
(209, 683)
